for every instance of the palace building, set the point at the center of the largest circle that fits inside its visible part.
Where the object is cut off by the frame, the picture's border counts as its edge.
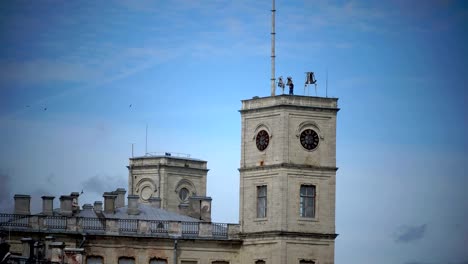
(287, 201)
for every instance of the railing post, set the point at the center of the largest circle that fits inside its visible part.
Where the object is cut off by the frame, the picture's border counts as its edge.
(205, 229)
(33, 221)
(72, 224)
(79, 223)
(233, 230)
(175, 229)
(143, 227)
(112, 226)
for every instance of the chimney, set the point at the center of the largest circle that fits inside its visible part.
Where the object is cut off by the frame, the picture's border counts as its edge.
(109, 202)
(48, 205)
(97, 207)
(120, 200)
(66, 205)
(155, 202)
(75, 202)
(22, 204)
(133, 205)
(87, 207)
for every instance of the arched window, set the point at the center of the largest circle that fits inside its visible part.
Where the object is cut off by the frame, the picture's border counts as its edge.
(94, 260)
(183, 194)
(303, 261)
(260, 261)
(126, 260)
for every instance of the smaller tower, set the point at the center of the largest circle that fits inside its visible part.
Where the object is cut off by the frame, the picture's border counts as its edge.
(173, 179)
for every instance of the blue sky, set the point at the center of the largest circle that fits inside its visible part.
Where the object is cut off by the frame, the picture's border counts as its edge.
(398, 68)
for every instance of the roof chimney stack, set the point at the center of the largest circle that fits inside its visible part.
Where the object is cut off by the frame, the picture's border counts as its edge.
(120, 200)
(66, 205)
(109, 202)
(133, 205)
(48, 205)
(22, 204)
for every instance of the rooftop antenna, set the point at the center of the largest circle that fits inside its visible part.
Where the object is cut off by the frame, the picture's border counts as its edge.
(273, 49)
(146, 141)
(132, 149)
(326, 86)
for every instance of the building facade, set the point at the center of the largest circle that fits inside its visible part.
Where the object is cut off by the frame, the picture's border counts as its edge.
(287, 201)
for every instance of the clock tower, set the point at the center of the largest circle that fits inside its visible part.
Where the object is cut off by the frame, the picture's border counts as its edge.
(288, 179)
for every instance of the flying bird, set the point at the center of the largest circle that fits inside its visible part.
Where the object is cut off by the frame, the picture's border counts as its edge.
(130, 105)
(45, 108)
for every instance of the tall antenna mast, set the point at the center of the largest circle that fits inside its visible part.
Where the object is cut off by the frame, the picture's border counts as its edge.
(326, 87)
(273, 49)
(146, 140)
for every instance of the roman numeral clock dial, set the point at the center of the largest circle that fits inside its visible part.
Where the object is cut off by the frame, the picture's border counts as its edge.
(262, 140)
(309, 139)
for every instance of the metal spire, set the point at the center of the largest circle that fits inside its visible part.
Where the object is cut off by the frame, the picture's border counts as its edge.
(273, 79)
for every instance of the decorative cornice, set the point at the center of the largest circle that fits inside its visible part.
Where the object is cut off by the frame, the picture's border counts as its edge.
(164, 166)
(288, 166)
(286, 234)
(289, 106)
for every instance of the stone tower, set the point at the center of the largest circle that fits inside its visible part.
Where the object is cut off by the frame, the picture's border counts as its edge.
(288, 179)
(174, 182)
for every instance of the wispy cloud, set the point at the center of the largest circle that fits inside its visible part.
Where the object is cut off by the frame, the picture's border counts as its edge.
(407, 233)
(103, 183)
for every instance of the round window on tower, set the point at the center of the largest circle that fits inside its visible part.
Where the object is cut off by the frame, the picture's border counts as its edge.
(183, 194)
(146, 193)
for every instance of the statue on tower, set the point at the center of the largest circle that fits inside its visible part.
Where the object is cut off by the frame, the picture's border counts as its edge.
(290, 84)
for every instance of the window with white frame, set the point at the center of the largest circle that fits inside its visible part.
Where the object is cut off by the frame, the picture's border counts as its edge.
(261, 201)
(307, 201)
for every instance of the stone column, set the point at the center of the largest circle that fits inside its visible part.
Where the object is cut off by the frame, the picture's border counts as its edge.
(56, 251)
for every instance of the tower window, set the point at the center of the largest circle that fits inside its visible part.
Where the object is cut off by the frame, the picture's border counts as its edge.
(261, 201)
(260, 262)
(306, 262)
(183, 194)
(307, 201)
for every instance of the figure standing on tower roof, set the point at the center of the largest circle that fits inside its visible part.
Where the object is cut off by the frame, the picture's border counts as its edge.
(291, 86)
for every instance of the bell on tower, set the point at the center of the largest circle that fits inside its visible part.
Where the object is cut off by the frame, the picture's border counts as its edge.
(310, 79)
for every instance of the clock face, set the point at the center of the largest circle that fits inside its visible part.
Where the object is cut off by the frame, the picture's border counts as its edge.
(309, 139)
(262, 140)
